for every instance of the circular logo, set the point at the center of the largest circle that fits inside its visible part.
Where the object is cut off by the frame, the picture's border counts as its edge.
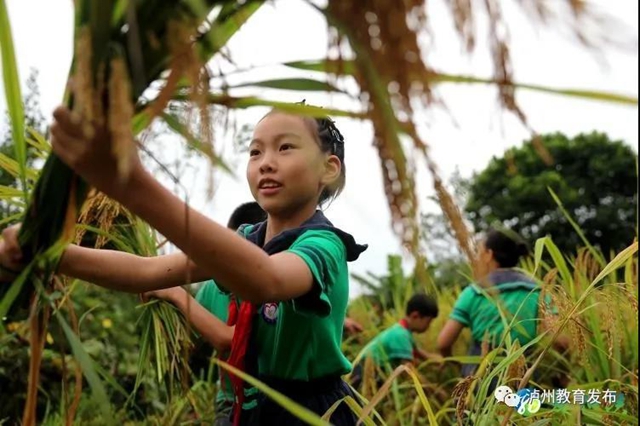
(501, 392)
(527, 404)
(270, 312)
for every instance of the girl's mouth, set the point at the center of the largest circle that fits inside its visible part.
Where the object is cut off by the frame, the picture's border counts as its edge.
(269, 187)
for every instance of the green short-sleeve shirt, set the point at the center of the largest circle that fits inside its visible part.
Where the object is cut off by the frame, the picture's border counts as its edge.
(394, 346)
(217, 302)
(480, 312)
(300, 339)
(214, 300)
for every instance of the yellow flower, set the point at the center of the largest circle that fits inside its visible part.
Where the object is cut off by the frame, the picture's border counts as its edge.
(49, 339)
(107, 323)
(13, 326)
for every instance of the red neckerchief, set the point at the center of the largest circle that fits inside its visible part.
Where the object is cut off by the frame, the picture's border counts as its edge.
(242, 318)
(404, 324)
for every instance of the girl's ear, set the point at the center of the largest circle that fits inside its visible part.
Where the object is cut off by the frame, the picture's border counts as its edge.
(332, 168)
(490, 254)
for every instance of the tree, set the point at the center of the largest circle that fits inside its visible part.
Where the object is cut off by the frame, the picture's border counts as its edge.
(594, 177)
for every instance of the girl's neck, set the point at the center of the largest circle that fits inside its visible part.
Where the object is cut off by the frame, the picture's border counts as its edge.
(280, 223)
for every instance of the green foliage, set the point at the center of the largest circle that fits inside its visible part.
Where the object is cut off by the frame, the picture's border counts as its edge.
(34, 120)
(592, 175)
(391, 291)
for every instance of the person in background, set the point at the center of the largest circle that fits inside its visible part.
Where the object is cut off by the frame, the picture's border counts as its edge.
(396, 345)
(218, 304)
(518, 295)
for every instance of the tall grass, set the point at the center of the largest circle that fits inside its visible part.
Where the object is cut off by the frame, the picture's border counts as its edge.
(597, 310)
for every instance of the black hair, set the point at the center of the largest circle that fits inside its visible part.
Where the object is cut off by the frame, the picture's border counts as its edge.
(331, 141)
(247, 213)
(424, 305)
(507, 247)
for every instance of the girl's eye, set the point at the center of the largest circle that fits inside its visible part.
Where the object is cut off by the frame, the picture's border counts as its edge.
(285, 146)
(253, 152)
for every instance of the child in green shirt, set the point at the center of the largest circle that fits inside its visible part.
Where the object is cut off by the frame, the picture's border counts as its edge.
(217, 302)
(516, 293)
(290, 272)
(396, 345)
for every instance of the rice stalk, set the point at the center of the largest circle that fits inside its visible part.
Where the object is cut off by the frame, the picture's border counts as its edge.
(38, 332)
(120, 117)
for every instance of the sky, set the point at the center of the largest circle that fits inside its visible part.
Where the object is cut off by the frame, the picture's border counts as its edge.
(463, 137)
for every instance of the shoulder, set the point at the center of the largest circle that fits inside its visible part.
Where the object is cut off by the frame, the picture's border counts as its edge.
(320, 242)
(469, 292)
(396, 331)
(245, 229)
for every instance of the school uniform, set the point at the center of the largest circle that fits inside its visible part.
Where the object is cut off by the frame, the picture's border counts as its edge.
(394, 346)
(295, 346)
(217, 302)
(517, 294)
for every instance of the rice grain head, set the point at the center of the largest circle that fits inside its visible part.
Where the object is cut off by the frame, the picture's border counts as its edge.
(99, 211)
(83, 82)
(517, 368)
(609, 323)
(120, 116)
(459, 395)
(368, 378)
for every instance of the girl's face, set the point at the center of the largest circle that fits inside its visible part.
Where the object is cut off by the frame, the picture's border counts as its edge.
(287, 170)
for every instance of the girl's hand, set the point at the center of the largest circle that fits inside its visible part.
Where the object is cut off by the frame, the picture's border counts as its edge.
(88, 150)
(10, 254)
(173, 295)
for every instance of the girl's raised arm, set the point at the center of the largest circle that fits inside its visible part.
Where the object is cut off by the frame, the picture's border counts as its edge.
(244, 268)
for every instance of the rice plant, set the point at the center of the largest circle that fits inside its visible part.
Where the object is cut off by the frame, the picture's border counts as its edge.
(132, 60)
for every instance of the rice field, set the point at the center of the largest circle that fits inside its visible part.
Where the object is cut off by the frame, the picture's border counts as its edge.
(71, 353)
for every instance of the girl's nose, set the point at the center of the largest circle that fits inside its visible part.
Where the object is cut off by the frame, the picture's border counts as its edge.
(268, 163)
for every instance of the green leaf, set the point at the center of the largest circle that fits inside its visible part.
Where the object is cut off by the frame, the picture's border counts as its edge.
(617, 262)
(576, 93)
(13, 292)
(294, 408)
(297, 84)
(339, 67)
(294, 108)
(560, 263)
(347, 67)
(352, 404)
(13, 95)
(221, 31)
(9, 192)
(13, 167)
(38, 142)
(539, 249)
(85, 361)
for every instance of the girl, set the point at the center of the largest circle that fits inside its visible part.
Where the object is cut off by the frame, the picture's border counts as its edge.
(290, 271)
